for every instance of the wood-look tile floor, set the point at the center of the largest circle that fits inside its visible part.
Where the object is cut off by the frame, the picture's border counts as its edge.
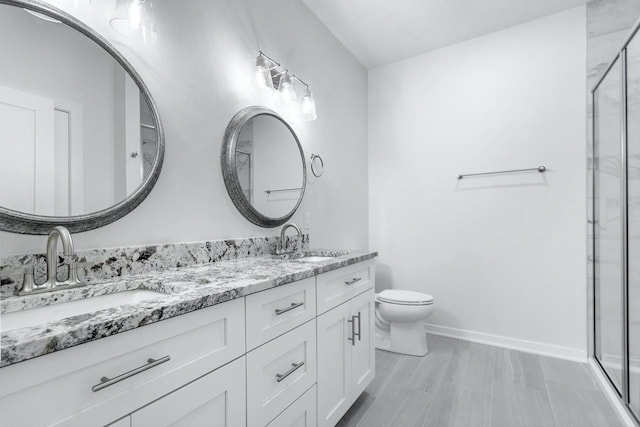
(460, 383)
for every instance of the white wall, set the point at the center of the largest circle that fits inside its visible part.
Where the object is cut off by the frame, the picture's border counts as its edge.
(200, 73)
(504, 256)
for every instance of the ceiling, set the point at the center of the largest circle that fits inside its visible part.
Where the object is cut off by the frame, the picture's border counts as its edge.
(381, 31)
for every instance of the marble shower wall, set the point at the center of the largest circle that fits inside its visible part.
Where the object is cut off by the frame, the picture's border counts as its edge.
(97, 265)
(609, 22)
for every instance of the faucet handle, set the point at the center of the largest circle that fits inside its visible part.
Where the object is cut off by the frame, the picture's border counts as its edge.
(72, 279)
(28, 282)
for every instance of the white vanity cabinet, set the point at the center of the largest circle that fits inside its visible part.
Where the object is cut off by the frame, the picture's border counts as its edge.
(215, 400)
(293, 355)
(102, 381)
(346, 357)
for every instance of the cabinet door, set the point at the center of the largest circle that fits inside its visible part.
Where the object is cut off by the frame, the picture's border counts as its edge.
(363, 362)
(215, 400)
(334, 364)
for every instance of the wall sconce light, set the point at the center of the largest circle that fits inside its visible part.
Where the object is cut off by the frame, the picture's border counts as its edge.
(269, 74)
(134, 19)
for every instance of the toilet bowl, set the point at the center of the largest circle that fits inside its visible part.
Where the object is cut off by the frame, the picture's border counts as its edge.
(400, 317)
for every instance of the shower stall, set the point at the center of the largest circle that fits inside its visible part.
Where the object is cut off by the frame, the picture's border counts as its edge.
(616, 223)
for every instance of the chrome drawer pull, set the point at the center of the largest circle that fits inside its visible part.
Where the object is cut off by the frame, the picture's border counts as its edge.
(294, 367)
(293, 305)
(352, 281)
(359, 328)
(107, 382)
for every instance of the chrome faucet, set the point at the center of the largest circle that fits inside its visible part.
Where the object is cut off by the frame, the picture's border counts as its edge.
(29, 285)
(283, 245)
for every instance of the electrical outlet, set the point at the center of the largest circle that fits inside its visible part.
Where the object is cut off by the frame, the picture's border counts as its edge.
(307, 220)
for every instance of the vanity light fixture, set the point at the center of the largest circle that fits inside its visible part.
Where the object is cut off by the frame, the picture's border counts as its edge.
(307, 104)
(264, 65)
(270, 74)
(286, 88)
(135, 19)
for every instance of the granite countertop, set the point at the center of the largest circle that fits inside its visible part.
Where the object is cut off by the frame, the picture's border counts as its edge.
(183, 290)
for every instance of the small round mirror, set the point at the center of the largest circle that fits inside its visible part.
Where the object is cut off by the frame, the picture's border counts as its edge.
(263, 166)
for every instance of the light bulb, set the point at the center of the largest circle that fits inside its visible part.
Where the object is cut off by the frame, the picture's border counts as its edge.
(263, 73)
(286, 89)
(308, 106)
(135, 13)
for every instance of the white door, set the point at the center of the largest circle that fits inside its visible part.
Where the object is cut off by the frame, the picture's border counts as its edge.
(216, 400)
(334, 364)
(27, 152)
(363, 362)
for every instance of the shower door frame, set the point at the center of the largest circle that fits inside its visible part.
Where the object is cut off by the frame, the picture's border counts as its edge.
(621, 55)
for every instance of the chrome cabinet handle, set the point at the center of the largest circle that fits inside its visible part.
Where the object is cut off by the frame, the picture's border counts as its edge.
(294, 367)
(107, 382)
(359, 328)
(352, 338)
(293, 305)
(352, 281)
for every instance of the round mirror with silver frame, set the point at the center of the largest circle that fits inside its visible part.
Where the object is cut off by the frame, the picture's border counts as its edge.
(138, 127)
(263, 166)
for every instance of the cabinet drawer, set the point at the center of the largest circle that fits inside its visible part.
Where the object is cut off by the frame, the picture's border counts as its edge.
(272, 313)
(217, 399)
(70, 381)
(338, 286)
(302, 413)
(279, 372)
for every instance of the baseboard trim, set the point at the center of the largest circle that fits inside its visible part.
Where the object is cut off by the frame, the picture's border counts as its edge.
(535, 347)
(612, 395)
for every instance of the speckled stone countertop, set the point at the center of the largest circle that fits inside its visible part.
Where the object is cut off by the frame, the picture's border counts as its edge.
(183, 290)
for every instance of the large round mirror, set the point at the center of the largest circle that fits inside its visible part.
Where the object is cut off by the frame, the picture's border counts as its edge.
(80, 138)
(263, 166)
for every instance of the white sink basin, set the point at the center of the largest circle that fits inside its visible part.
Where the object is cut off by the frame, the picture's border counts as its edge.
(53, 312)
(314, 258)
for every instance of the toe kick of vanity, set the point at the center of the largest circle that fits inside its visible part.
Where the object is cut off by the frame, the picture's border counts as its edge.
(303, 351)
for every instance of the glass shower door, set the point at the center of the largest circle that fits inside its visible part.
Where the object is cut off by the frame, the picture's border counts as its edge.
(633, 203)
(608, 239)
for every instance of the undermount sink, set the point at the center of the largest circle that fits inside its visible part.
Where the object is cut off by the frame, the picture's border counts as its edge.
(54, 312)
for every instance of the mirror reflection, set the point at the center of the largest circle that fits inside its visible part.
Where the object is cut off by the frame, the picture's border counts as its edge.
(269, 166)
(76, 136)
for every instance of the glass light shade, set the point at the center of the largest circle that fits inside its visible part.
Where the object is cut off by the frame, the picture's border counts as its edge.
(263, 73)
(308, 106)
(134, 19)
(286, 89)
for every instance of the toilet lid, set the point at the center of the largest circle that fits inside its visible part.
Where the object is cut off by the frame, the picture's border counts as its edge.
(396, 296)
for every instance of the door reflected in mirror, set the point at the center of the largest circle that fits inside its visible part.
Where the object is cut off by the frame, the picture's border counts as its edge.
(76, 134)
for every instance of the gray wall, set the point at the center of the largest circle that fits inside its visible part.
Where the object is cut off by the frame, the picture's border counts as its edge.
(201, 72)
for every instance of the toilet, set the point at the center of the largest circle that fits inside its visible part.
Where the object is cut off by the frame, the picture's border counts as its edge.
(400, 317)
